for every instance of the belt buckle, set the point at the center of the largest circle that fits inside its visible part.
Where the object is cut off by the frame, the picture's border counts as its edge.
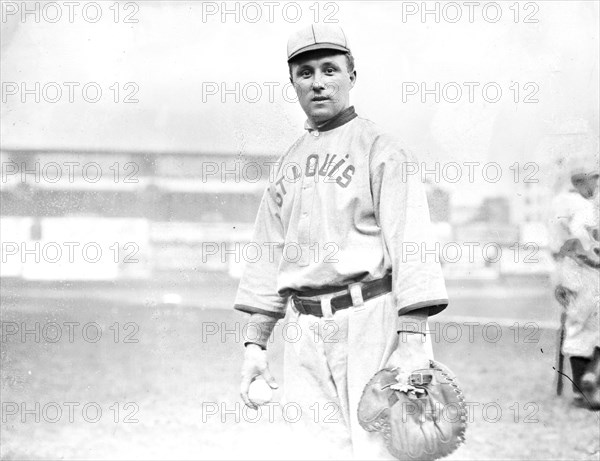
(295, 302)
(301, 308)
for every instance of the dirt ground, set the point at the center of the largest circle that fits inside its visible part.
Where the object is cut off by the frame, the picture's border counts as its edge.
(161, 382)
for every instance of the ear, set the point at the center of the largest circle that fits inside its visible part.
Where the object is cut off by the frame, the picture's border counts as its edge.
(352, 79)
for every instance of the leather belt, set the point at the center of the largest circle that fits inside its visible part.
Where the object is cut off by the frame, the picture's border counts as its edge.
(369, 290)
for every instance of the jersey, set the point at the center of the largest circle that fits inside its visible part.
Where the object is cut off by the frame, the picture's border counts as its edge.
(343, 206)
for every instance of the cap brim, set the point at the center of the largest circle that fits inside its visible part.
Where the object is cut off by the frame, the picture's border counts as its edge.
(318, 46)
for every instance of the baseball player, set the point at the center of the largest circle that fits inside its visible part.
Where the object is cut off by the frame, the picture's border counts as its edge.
(574, 231)
(350, 260)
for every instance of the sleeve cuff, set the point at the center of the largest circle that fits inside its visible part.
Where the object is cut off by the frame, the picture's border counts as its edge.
(258, 330)
(435, 306)
(257, 310)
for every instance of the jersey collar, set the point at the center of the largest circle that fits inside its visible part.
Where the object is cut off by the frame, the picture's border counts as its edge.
(340, 119)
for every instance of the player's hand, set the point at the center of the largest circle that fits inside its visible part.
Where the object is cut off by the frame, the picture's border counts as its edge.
(255, 365)
(410, 355)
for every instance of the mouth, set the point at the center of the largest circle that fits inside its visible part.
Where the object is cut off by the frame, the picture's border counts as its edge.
(320, 99)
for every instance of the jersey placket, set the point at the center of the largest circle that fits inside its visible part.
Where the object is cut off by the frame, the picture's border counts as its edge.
(306, 203)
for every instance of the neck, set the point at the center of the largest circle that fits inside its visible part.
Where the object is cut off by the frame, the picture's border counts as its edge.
(338, 119)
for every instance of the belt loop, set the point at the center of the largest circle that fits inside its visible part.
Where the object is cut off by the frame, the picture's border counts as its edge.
(326, 306)
(356, 293)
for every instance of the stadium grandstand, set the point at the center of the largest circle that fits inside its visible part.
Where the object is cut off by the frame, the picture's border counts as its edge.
(147, 213)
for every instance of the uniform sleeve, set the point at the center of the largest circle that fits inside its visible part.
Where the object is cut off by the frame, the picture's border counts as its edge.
(258, 330)
(257, 291)
(402, 213)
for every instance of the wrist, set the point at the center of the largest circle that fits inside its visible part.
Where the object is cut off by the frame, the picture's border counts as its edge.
(410, 341)
(413, 323)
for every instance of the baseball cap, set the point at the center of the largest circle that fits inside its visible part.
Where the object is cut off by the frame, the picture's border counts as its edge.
(317, 37)
(583, 162)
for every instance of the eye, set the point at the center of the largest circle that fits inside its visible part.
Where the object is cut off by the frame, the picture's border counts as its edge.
(305, 73)
(329, 70)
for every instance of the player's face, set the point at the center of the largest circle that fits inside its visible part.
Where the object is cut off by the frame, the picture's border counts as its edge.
(323, 84)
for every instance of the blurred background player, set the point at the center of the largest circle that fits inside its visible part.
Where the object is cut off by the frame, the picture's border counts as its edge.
(575, 246)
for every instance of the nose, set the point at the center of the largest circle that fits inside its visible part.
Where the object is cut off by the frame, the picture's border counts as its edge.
(318, 85)
(318, 80)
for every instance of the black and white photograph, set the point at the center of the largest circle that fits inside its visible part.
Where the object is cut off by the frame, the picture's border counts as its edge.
(300, 230)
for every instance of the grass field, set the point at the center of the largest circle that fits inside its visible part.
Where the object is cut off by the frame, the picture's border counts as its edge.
(173, 394)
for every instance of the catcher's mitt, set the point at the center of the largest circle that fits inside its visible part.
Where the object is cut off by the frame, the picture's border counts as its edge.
(424, 419)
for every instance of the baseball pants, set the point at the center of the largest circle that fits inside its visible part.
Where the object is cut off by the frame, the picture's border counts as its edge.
(327, 364)
(582, 327)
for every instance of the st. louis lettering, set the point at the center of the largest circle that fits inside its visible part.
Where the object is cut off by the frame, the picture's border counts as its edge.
(331, 167)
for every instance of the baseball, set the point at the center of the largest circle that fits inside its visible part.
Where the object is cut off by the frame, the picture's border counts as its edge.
(260, 392)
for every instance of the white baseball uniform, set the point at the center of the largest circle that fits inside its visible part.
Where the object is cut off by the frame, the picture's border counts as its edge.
(574, 218)
(343, 207)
